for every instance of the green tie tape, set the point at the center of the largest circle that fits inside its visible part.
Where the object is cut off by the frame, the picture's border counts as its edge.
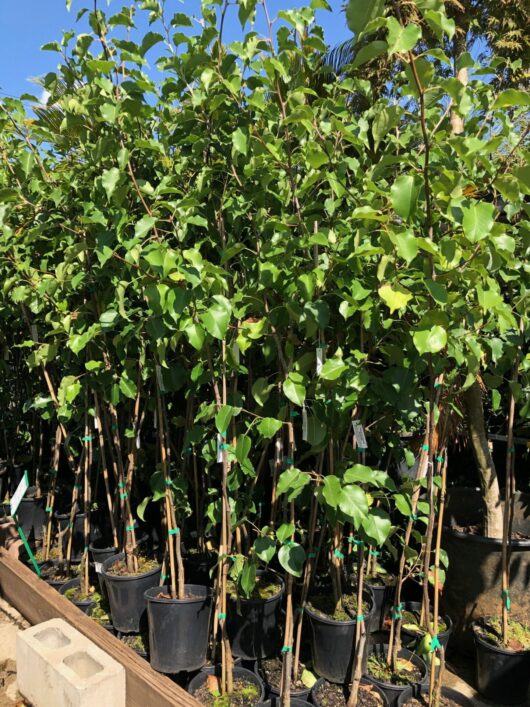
(413, 516)
(435, 644)
(123, 496)
(374, 553)
(121, 485)
(174, 531)
(294, 413)
(287, 649)
(88, 438)
(289, 543)
(168, 482)
(437, 385)
(311, 555)
(288, 460)
(505, 594)
(425, 447)
(299, 609)
(440, 460)
(49, 509)
(338, 554)
(360, 618)
(129, 527)
(221, 616)
(396, 611)
(28, 550)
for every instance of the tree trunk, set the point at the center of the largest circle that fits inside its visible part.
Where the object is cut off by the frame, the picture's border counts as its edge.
(493, 518)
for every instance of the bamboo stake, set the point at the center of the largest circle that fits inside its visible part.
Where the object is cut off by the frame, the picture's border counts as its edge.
(50, 500)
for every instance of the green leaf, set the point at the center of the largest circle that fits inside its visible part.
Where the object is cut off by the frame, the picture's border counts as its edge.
(261, 391)
(285, 531)
(316, 157)
(430, 340)
(403, 504)
(369, 51)
(377, 526)
(247, 580)
(353, 504)
(512, 97)
(265, 548)
(240, 141)
(140, 508)
(268, 427)
(394, 299)
(217, 318)
(308, 678)
(401, 39)
(108, 318)
(478, 220)
(292, 558)
(144, 225)
(128, 387)
(224, 417)
(292, 482)
(196, 335)
(332, 369)
(294, 389)
(244, 443)
(404, 196)
(316, 431)
(406, 244)
(360, 12)
(109, 180)
(109, 112)
(331, 490)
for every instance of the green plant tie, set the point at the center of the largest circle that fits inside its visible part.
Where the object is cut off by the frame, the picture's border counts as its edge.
(174, 531)
(512, 450)
(288, 460)
(374, 553)
(53, 472)
(338, 554)
(221, 616)
(70, 525)
(360, 618)
(223, 434)
(121, 485)
(437, 385)
(77, 487)
(123, 496)
(311, 555)
(287, 649)
(187, 450)
(289, 543)
(49, 509)
(440, 460)
(88, 438)
(435, 644)
(505, 594)
(425, 447)
(362, 449)
(85, 549)
(223, 446)
(168, 482)
(396, 611)
(413, 516)
(129, 527)
(163, 577)
(114, 427)
(299, 609)
(29, 551)
(294, 413)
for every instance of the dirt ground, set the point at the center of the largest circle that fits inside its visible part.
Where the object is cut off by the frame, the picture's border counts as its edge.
(10, 623)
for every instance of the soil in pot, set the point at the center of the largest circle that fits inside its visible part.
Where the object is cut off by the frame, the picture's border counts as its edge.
(490, 630)
(245, 693)
(54, 554)
(73, 592)
(404, 674)
(270, 670)
(265, 588)
(138, 642)
(324, 606)
(328, 694)
(56, 574)
(445, 701)
(119, 568)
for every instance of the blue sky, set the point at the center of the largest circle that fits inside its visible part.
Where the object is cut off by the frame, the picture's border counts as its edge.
(25, 25)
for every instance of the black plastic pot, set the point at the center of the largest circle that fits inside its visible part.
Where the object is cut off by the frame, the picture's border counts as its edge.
(253, 625)
(274, 692)
(198, 567)
(394, 692)
(503, 676)
(126, 595)
(473, 581)
(86, 605)
(364, 681)
(333, 643)
(78, 534)
(179, 629)
(411, 639)
(383, 594)
(143, 654)
(276, 702)
(55, 583)
(101, 550)
(200, 679)
(31, 515)
(448, 692)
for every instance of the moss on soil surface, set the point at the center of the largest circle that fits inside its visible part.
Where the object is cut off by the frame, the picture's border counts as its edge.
(405, 673)
(518, 634)
(324, 606)
(264, 589)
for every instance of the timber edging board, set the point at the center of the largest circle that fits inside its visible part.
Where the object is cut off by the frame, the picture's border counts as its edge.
(38, 602)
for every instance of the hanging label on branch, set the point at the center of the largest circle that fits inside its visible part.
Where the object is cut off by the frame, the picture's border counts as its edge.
(304, 423)
(19, 493)
(220, 443)
(360, 437)
(320, 358)
(34, 332)
(96, 427)
(160, 379)
(137, 441)
(236, 352)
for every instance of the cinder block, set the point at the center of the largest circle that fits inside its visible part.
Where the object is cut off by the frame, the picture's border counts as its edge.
(59, 667)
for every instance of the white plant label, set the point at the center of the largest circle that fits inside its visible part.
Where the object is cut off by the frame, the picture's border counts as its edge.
(360, 437)
(19, 493)
(138, 442)
(304, 423)
(96, 427)
(219, 448)
(98, 566)
(320, 359)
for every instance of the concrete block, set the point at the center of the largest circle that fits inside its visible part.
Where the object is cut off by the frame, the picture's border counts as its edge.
(59, 667)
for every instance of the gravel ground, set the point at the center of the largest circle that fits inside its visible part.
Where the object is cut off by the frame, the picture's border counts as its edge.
(10, 622)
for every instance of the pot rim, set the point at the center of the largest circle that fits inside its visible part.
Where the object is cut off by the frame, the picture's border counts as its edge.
(364, 681)
(490, 646)
(75, 582)
(497, 542)
(260, 602)
(211, 670)
(169, 601)
(295, 694)
(446, 619)
(124, 578)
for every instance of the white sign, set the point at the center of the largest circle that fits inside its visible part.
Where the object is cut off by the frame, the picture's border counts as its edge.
(19, 493)
(359, 434)
(320, 359)
(219, 448)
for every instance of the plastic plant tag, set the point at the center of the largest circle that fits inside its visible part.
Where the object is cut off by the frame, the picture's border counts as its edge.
(236, 351)
(98, 566)
(159, 378)
(360, 437)
(34, 332)
(219, 448)
(96, 423)
(304, 423)
(19, 493)
(137, 441)
(320, 359)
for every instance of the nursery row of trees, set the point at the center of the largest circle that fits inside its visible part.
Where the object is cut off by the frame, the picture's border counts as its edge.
(217, 274)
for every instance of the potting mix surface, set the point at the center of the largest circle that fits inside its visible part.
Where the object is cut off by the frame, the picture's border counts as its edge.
(405, 673)
(330, 695)
(244, 693)
(324, 605)
(518, 634)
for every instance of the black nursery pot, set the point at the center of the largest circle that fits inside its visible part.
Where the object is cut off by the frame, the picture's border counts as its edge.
(78, 534)
(55, 583)
(126, 595)
(253, 625)
(503, 676)
(275, 701)
(101, 550)
(383, 594)
(179, 629)
(364, 681)
(274, 692)
(200, 679)
(394, 692)
(86, 605)
(198, 567)
(333, 643)
(411, 639)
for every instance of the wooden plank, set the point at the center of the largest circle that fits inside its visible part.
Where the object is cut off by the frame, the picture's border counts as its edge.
(38, 602)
